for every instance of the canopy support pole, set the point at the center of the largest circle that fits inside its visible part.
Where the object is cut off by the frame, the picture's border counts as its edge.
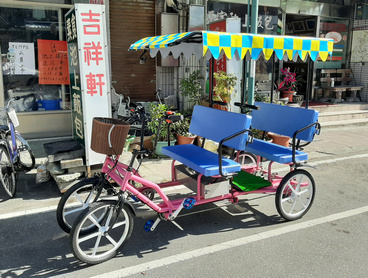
(211, 79)
(309, 81)
(272, 76)
(253, 30)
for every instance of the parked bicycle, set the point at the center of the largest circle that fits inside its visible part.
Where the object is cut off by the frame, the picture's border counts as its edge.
(15, 153)
(85, 192)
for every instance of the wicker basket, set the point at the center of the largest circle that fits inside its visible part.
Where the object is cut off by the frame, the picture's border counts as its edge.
(101, 128)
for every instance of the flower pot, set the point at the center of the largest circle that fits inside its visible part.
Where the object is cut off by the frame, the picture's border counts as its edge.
(185, 140)
(288, 94)
(279, 139)
(160, 145)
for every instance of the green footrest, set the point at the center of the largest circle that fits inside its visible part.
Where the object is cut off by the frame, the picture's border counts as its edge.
(248, 182)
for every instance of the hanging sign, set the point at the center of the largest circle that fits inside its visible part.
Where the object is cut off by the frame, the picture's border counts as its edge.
(52, 61)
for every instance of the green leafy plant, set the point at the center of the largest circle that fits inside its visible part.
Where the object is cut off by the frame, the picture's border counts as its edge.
(191, 87)
(224, 86)
(157, 111)
(182, 127)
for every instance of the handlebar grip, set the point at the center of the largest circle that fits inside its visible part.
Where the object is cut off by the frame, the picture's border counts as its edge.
(175, 118)
(218, 102)
(253, 107)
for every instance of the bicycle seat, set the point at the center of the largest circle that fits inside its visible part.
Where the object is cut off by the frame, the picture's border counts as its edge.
(4, 127)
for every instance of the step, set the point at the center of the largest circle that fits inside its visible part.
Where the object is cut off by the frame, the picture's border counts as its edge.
(355, 122)
(340, 107)
(343, 115)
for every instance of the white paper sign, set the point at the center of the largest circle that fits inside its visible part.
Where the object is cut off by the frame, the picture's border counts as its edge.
(21, 58)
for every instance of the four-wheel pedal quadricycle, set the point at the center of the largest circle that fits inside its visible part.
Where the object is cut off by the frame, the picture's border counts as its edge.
(103, 224)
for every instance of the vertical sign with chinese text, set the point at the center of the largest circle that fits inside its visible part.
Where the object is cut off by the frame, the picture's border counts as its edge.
(52, 58)
(22, 58)
(74, 76)
(94, 71)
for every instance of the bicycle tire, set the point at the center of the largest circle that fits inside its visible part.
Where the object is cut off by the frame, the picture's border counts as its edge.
(110, 236)
(76, 199)
(25, 154)
(7, 174)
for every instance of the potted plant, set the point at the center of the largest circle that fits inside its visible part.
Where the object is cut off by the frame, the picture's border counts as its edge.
(288, 84)
(157, 111)
(182, 132)
(191, 87)
(224, 86)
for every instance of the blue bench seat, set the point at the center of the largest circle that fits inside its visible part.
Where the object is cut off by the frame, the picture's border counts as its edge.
(300, 123)
(227, 128)
(273, 152)
(201, 160)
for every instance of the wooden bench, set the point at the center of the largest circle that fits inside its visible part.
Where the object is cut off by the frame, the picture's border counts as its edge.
(227, 128)
(342, 78)
(297, 123)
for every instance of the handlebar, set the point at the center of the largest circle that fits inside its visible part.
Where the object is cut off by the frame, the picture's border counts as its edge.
(247, 106)
(170, 117)
(211, 102)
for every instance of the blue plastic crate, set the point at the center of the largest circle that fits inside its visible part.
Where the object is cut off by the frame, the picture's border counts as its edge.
(53, 104)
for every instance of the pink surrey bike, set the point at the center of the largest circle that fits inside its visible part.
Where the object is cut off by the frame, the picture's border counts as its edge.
(103, 227)
(101, 230)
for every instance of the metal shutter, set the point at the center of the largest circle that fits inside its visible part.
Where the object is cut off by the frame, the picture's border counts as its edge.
(129, 22)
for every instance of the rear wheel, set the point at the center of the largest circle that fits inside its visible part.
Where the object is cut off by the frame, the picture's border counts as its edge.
(246, 158)
(295, 194)
(7, 173)
(109, 236)
(77, 198)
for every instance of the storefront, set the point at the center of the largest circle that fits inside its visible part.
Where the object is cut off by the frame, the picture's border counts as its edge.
(31, 33)
(295, 18)
(45, 111)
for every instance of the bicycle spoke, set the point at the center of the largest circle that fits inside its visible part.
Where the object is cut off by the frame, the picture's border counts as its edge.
(113, 242)
(74, 210)
(88, 237)
(97, 244)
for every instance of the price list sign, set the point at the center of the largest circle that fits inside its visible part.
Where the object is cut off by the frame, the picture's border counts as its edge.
(52, 62)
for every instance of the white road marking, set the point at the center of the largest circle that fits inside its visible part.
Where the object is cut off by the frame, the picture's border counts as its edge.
(27, 212)
(140, 268)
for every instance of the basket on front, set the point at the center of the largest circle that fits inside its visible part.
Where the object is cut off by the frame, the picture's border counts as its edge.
(109, 135)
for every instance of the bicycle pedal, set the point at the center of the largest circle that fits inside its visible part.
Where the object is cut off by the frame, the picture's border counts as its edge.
(189, 203)
(134, 198)
(148, 225)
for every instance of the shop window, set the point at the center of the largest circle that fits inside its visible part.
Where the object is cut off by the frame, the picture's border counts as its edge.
(45, 86)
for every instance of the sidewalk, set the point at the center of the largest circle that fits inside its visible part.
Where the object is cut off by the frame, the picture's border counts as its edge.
(333, 142)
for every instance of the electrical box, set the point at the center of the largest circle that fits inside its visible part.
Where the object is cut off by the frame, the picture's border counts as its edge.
(361, 11)
(168, 23)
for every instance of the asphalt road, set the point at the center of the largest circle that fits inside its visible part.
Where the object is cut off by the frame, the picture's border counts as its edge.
(248, 239)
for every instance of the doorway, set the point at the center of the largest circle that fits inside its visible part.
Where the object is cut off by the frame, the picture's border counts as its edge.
(305, 26)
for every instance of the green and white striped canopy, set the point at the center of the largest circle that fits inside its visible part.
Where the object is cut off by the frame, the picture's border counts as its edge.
(236, 45)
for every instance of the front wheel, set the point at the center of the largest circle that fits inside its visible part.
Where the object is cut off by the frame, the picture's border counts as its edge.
(26, 157)
(109, 236)
(295, 194)
(7, 173)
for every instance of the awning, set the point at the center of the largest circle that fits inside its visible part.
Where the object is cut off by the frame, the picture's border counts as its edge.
(236, 45)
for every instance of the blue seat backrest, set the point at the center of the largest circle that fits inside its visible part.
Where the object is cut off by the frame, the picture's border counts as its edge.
(284, 120)
(216, 125)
